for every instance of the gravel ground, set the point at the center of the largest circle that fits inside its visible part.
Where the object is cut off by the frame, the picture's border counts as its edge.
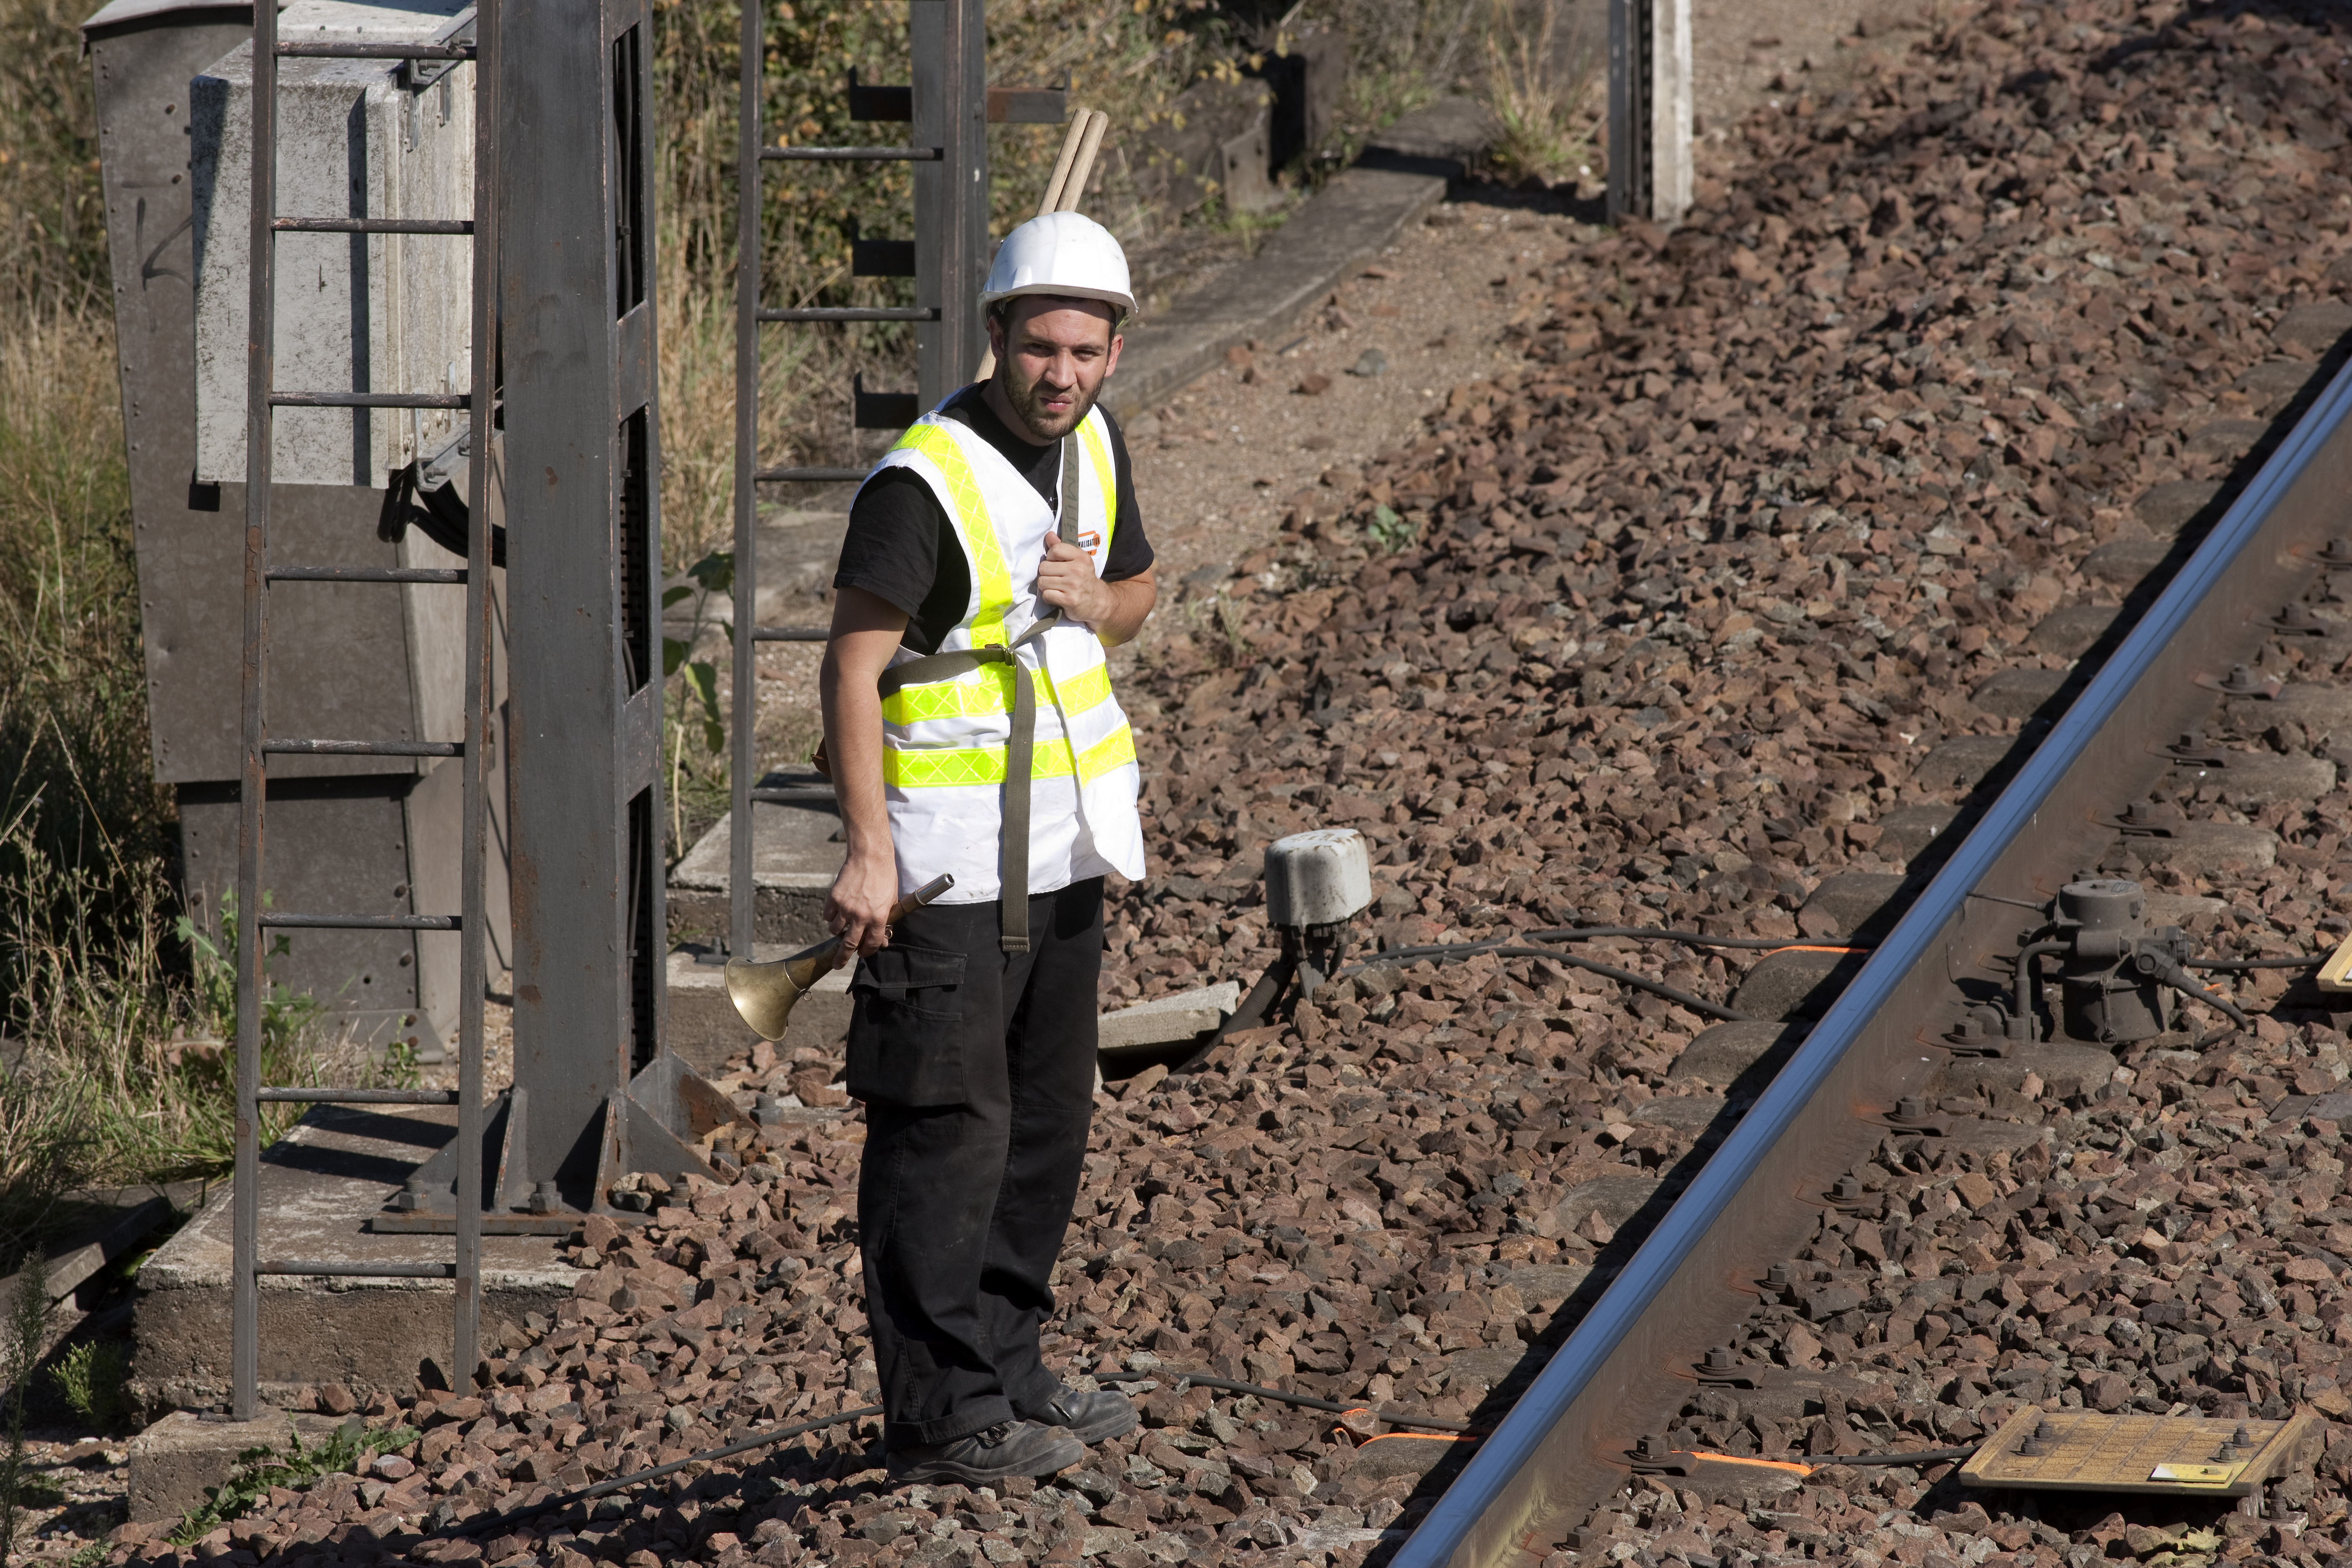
(1662, 615)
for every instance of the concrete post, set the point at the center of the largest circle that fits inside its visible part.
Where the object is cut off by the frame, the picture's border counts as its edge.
(1650, 174)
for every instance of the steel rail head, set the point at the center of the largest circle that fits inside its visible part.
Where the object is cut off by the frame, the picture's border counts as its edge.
(1523, 1478)
(791, 633)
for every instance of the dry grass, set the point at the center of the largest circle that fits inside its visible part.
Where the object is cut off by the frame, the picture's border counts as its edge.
(1541, 82)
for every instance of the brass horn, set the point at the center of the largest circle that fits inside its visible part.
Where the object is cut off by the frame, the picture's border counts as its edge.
(764, 992)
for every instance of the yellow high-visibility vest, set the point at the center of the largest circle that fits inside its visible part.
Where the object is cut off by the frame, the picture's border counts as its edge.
(945, 740)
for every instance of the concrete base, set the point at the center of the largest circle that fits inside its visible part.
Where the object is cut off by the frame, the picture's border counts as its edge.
(797, 852)
(176, 1460)
(704, 1028)
(319, 1187)
(1164, 1020)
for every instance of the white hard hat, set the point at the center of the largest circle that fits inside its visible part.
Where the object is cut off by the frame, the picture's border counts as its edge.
(1060, 253)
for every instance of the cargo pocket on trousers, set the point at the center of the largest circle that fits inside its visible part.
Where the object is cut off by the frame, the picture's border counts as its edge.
(906, 1029)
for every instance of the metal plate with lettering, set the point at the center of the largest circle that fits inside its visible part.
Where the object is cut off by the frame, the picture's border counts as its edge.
(2081, 1450)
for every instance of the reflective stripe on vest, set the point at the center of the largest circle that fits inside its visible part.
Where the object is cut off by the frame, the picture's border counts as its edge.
(1098, 452)
(970, 765)
(992, 692)
(992, 578)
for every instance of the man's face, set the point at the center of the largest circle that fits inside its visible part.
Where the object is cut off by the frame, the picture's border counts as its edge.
(1052, 355)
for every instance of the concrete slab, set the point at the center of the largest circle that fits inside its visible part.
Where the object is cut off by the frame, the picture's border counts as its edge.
(1166, 1019)
(2316, 706)
(797, 852)
(703, 1026)
(1909, 829)
(2126, 561)
(1401, 175)
(2020, 693)
(1725, 1054)
(320, 1185)
(1962, 762)
(2258, 778)
(1615, 1199)
(1852, 903)
(1795, 985)
(2167, 508)
(2070, 632)
(2205, 847)
(2067, 1069)
(174, 1462)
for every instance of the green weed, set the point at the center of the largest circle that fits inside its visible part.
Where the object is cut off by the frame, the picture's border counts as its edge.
(346, 1451)
(92, 1378)
(1540, 87)
(1391, 530)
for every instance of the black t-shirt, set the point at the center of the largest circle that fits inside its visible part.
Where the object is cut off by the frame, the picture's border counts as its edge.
(901, 547)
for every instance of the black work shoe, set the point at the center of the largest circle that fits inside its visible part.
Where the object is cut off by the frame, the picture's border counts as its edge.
(1089, 1417)
(996, 1453)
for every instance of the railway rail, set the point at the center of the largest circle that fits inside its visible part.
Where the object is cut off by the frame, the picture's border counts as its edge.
(1827, 578)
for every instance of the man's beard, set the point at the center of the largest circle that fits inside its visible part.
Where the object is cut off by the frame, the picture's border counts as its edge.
(1026, 402)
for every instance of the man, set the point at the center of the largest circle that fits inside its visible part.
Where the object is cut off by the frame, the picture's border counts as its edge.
(970, 729)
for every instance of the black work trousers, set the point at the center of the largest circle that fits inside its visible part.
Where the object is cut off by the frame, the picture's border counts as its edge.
(977, 1067)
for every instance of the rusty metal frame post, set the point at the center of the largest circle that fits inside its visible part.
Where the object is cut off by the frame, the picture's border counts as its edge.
(262, 399)
(1650, 107)
(481, 643)
(583, 438)
(244, 1353)
(951, 92)
(742, 910)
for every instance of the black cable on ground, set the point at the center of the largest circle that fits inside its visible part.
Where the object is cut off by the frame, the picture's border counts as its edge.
(1394, 1417)
(1675, 994)
(2233, 965)
(1920, 1457)
(1658, 933)
(619, 1483)
(1810, 1462)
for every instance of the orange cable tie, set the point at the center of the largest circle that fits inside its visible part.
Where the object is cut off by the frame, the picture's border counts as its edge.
(1745, 1459)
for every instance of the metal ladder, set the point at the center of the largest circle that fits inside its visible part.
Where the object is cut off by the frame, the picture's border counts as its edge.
(951, 107)
(262, 400)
